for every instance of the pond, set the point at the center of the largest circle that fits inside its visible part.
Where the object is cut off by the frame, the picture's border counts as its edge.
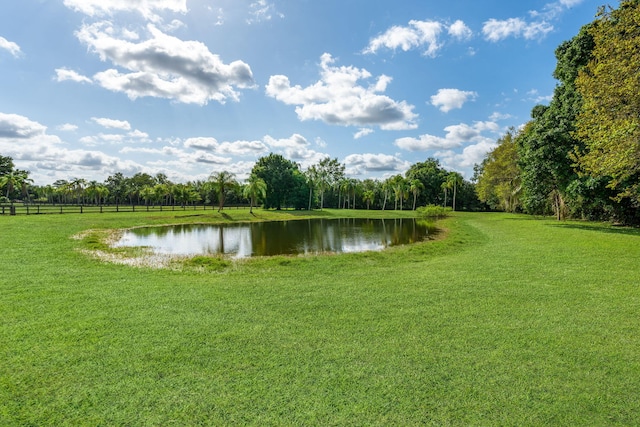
(308, 236)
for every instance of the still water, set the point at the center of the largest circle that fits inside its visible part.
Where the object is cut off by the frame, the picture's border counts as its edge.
(279, 238)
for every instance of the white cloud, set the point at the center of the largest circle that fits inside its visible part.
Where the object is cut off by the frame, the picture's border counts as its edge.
(67, 127)
(449, 99)
(359, 164)
(202, 143)
(262, 10)
(148, 8)
(14, 126)
(44, 155)
(64, 74)
(496, 30)
(164, 66)
(338, 99)
(570, 3)
(416, 35)
(11, 47)
(111, 123)
(470, 156)
(242, 148)
(460, 31)
(499, 116)
(235, 148)
(456, 136)
(362, 133)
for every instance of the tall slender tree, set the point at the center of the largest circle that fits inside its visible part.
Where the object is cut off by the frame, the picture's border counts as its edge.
(221, 182)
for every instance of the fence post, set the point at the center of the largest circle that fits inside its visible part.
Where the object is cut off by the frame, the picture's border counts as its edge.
(12, 210)
(80, 208)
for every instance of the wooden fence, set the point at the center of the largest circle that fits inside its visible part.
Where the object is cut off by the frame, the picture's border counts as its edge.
(41, 209)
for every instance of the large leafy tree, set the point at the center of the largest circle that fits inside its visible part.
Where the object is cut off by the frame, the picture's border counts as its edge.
(6, 165)
(431, 175)
(547, 142)
(286, 185)
(328, 173)
(498, 177)
(609, 123)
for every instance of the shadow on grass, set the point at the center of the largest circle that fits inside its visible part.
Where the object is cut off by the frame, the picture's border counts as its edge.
(600, 228)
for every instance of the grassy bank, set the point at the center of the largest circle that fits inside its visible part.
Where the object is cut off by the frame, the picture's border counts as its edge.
(506, 321)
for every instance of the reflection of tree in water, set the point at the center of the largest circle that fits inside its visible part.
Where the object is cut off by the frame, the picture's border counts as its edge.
(282, 237)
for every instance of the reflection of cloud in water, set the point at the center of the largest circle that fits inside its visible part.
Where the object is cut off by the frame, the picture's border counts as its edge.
(276, 238)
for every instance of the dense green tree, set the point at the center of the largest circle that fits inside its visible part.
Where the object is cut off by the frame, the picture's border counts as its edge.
(117, 186)
(6, 165)
(284, 182)
(432, 175)
(329, 172)
(498, 177)
(609, 123)
(15, 180)
(547, 142)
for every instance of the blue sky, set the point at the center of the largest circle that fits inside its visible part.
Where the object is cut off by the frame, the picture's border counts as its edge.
(190, 87)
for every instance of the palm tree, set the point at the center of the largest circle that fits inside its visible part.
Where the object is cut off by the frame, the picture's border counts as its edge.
(453, 180)
(445, 186)
(77, 187)
(368, 196)
(399, 189)
(147, 193)
(312, 180)
(14, 179)
(102, 192)
(255, 189)
(415, 187)
(386, 186)
(221, 182)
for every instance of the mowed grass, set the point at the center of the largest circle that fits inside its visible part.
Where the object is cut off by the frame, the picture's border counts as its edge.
(507, 320)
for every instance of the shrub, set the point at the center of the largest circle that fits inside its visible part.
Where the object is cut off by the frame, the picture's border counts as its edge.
(433, 211)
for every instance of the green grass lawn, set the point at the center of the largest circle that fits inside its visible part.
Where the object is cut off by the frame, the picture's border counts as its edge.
(508, 320)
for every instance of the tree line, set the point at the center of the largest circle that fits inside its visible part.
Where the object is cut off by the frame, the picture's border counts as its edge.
(275, 183)
(579, 156)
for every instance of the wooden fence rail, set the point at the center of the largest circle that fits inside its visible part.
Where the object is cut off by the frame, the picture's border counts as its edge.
(41, 209)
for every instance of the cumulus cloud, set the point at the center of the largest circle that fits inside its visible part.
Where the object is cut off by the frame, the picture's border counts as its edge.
(496, 30)
(14, 126)
(468, 157)
(359, 164)
(112, 123)
(64, 74)
(11, 47)
(418, 34)
(460, 31)
(235, 148)
(28, 143)
(148, 8)
(537, 27)
(449, 99)
(338, 99)
(456, 136)
(164, 66)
